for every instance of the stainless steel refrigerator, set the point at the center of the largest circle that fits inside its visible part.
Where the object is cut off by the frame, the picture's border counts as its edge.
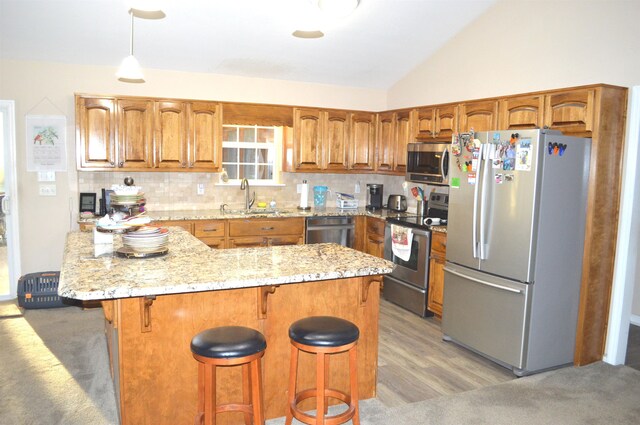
(517, 203)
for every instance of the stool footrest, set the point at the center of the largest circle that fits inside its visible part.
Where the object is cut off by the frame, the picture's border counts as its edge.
(331, 393)
(234, 407)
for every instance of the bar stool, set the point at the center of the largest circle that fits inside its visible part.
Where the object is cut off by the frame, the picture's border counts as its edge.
(322, 336)
(229, 346)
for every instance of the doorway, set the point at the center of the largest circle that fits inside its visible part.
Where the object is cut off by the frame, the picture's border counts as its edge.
(9, 239)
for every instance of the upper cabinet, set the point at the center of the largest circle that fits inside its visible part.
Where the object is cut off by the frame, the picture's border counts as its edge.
(571, 111)
(143, 134)
(435, 122)
(404, 135)
(479, 116)
(96, 133)
(335, 140)
(362, 141)
(521, 112)
(307, 139)
(386, 141)
(135, 133)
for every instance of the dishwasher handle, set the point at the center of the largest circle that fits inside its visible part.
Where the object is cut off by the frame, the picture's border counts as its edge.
(332, 227)
(483, 282)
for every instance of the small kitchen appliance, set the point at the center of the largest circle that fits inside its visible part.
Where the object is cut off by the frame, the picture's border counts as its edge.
(374, 196)
(397, 203)
(428, 163)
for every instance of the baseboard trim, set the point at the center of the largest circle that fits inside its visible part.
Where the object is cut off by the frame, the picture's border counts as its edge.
(635, 319)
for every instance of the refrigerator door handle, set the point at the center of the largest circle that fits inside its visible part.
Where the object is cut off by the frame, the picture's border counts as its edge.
(486, 159)
(476, 192)
(483, 282)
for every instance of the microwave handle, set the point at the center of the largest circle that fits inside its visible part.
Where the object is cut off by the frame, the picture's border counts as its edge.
(443, 164)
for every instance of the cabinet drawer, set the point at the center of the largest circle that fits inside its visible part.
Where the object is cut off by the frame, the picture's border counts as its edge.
(185, 224)
(265, 227)
(439, 243)
(209, 228)
(375, 225)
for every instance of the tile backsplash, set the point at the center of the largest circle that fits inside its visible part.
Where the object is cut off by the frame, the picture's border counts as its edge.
(166, 191)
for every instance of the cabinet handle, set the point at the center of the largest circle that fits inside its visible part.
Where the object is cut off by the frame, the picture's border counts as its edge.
(266, 228)
(184, 165)
(214, 229)
(120, 164)
(112, 162)
(191, 164)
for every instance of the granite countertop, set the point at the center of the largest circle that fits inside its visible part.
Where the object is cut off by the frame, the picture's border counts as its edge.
(191, 266)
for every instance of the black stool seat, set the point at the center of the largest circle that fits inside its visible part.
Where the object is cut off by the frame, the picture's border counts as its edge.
(324, 331)
(228, 342)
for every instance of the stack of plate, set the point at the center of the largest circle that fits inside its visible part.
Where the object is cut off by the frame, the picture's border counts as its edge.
(127, 199)
(147, 240)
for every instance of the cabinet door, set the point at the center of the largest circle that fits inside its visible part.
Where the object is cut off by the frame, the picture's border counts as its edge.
(425, 124)
(479, 116)
(135, 133)
(446, 118)
(570, 112)
(95, 132)
(307, 140)
(185, 224)
(436, 285)
(521, 112)
(205, 136)
(216, 243)
(247, 242)
(404, 135)
(362, 140)
(386, 141)
(374, 245)
(171, 134)
(335, 140)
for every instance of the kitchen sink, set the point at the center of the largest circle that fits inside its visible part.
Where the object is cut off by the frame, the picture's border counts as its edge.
(258, 211)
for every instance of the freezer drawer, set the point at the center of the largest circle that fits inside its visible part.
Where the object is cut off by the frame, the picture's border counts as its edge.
(407, 296)
(486, 313)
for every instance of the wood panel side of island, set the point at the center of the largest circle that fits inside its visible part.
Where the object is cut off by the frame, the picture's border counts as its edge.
(157, 375)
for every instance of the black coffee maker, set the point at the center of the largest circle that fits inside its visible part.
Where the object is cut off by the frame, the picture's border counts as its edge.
(374, 196)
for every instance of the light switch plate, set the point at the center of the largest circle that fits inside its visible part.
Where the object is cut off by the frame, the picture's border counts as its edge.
(299, 188)
(47, 190)
(200, 188)
(46, 176)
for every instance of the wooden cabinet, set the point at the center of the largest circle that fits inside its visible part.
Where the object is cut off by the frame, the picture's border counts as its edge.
(265, 232)
(211, 232)
(436, 122)
(307, 139)
(479, 116)
(436, 272)
(522, 112)
(403, 135)
(571, 112)
(374, 237)
(385, 142)
(204, 145)
(362, 141)
(95, 132)
(335, 140)
(135, 133)
(425, 123)
(185, 224)
(171, 134)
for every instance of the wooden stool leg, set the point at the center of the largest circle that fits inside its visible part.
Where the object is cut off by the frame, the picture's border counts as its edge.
(201, 380)
(353, 377)
(210, 395)
(326, 382)
(293, 370)
(256, 393)
(246, 391)
(320, 388)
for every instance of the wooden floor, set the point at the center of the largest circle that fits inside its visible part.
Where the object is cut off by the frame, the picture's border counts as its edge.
(415, 364)
(633, 348)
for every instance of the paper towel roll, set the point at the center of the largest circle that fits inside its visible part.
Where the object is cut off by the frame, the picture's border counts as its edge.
(304, 195)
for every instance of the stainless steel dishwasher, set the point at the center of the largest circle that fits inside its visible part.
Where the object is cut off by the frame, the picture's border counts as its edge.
(340, 230)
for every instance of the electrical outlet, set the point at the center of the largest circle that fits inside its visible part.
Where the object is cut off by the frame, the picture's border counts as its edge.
(299, 188)
(200, 188)
(357, 188)
(46, 176)
(47, 190)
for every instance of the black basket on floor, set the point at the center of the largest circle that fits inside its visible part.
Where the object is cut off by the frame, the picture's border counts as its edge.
(39, 290)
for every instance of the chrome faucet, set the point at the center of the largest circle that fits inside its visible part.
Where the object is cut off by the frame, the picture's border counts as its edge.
(244, 185)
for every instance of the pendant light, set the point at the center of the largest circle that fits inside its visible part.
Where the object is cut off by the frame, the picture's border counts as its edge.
(130, 71)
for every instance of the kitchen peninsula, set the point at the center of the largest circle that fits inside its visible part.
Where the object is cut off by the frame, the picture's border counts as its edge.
(153, 307)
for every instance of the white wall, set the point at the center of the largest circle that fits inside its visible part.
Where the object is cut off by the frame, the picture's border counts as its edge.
(44, 221)
(521, 46)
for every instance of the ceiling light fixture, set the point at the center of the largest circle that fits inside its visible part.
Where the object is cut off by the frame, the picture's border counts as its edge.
(323, 13)
(129, 70)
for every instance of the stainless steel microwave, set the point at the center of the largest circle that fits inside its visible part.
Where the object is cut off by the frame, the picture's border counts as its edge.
(428, 163)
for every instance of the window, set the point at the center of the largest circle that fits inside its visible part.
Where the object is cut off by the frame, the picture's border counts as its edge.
(249, 152)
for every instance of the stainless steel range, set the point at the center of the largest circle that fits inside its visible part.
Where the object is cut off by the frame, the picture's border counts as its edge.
(408, 284)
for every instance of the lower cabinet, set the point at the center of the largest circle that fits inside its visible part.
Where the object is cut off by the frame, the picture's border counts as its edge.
(211, 232)
(374, 237)
(436, 272)
(245, 233)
